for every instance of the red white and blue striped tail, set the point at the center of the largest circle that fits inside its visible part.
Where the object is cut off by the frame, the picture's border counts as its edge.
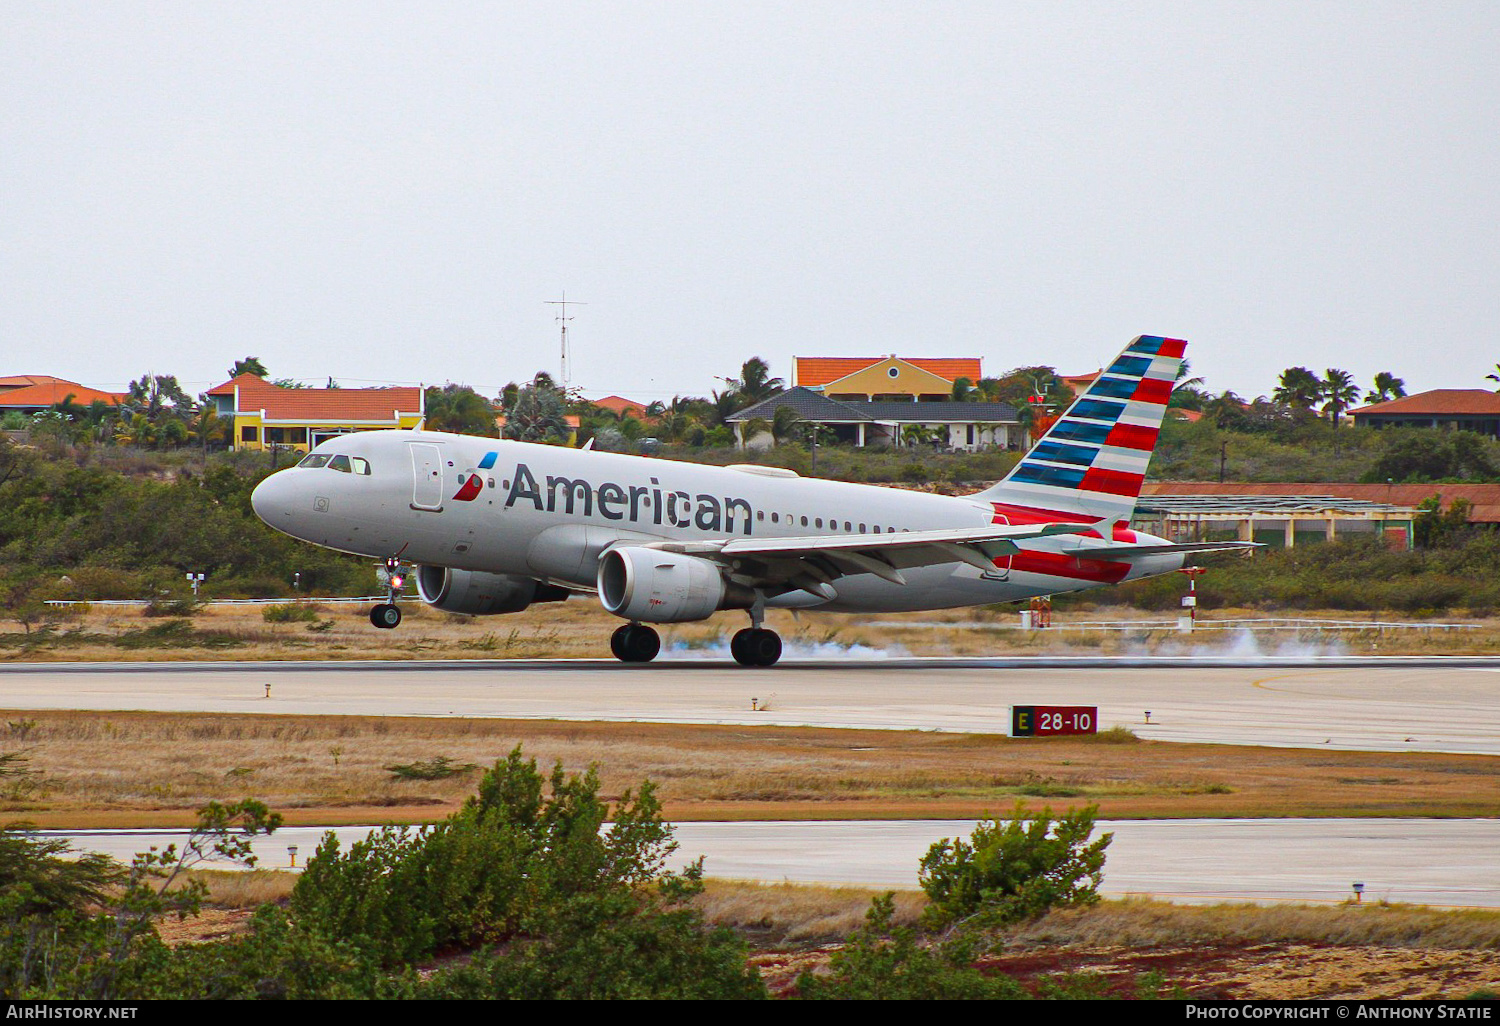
(1091, 462)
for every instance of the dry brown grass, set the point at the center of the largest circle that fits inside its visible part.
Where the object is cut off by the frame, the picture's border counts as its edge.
(154, 769)
(580, 629)
(1144, 923)
(244, 889)
(785, 914)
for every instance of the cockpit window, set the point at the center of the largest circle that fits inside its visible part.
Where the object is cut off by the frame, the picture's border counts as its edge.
(360, 465)
(339, 463)
(316, 459)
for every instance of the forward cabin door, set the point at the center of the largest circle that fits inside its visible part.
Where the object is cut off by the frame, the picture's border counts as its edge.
(427, 476)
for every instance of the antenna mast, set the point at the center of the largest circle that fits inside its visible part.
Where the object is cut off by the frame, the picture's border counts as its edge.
(563, 319)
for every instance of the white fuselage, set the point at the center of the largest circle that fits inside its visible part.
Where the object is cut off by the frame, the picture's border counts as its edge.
(549, 512)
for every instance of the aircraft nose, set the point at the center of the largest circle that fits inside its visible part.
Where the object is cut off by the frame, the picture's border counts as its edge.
(272, 499)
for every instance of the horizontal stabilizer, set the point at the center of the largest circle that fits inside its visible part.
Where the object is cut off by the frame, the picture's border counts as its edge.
(1118, 553)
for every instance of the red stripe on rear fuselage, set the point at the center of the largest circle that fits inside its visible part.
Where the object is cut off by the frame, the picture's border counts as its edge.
(1021, 516)
(1055, 564)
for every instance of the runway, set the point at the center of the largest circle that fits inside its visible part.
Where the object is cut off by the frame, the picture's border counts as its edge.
(1185, 861)
(1394, 704)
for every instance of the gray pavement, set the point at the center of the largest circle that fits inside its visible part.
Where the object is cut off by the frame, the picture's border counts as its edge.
(1431, 862)
(1435, 705)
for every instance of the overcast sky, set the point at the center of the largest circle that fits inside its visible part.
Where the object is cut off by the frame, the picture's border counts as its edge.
(391, 192)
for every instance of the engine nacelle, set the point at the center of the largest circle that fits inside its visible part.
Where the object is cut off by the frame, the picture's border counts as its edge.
(665, 587)
(481, 594)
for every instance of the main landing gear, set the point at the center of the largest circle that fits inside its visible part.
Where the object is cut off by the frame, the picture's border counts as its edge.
(755, 646)
(387, 615)
(635, 643)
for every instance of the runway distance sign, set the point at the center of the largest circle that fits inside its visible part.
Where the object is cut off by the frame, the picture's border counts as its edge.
(1053, 720)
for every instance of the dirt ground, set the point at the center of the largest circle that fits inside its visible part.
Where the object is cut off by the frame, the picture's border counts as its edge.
(1283, 972)
(1240, 971)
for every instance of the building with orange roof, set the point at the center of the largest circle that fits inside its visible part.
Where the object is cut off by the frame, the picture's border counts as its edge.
(884, 378)
(1080, 383)
(1468, 409)
(621, 406)
(300, 418)
(33, 393)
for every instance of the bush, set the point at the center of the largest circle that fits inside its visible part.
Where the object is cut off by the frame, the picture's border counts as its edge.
(524, 864)
(870, 967)
(45, 875)
(290, 612)
(440, 768)
(1015, 869)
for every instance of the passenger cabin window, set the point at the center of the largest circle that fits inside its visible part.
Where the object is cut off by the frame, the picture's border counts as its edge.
(317, 459)
(340, 463)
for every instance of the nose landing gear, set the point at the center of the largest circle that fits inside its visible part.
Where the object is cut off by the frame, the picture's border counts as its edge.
(387, 615)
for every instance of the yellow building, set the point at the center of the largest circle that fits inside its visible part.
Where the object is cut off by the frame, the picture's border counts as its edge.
(888, 378)
(300, 418)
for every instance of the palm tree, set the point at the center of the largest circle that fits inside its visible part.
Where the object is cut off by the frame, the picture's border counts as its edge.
(208, 427)
(1339, 392)
(1226, 409)
(752, 429)
(1388, 386)
(917, 434)
(784, 423)
(755, 383)
(1188, 393)
(1298, 388)
(461, 410)
(249, 365)
(1494, 377)
(137, 431)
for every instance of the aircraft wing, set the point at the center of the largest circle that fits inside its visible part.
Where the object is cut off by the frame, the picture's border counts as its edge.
(806, 562)
(822, 558)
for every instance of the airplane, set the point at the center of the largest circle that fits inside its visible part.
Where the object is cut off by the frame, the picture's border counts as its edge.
(491, 526)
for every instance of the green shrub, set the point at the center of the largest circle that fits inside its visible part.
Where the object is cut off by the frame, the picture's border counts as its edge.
(440, 768)
(525, 864)
(879, 962)
(172, 607)
(290, 612)
(1015, 869)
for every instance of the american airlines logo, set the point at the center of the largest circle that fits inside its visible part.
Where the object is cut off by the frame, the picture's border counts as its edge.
(636, 504)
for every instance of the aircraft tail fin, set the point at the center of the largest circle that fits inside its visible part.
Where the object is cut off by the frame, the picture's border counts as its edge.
(1091, 462)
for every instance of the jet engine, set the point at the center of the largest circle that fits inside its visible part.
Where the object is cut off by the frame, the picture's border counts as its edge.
(482, 594)
(665, 587)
